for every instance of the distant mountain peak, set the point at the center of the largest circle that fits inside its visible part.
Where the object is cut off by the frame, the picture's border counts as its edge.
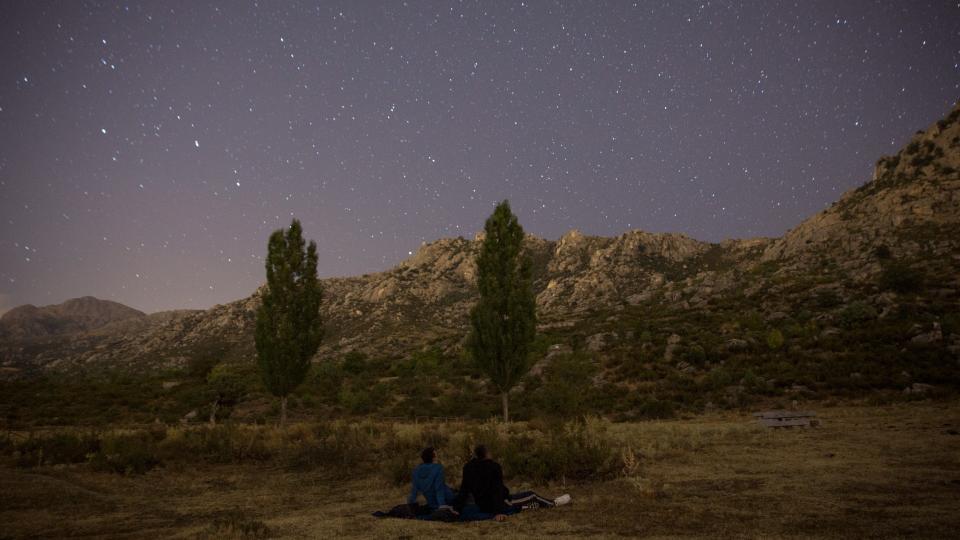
(74, 315)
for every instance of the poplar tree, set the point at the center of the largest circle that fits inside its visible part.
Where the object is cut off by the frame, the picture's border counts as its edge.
(504, 320)
(289, 328)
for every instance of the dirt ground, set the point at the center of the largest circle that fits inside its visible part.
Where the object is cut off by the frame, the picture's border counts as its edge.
(866, 472)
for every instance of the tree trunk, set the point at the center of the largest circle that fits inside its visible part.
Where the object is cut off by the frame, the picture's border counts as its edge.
(506, 408)
(213, 412)
(283, 411)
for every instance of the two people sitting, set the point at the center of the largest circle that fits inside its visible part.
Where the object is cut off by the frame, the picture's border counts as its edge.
(482, 491)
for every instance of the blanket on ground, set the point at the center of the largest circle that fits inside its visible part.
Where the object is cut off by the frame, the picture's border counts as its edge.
(470, 512)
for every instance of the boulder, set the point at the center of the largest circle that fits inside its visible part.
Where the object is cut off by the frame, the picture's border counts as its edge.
(932, 336)
(598, 342)
(736, 344)
(918, 389)
(673, 342)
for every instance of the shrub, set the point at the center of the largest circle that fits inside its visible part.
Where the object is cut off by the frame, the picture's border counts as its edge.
(752, 320)
(56, 449)
(429, 361)
(214, 444)
(650, 407)
(882, 252)
(774, 339)
(695, 355)
(327, 381)
(6, 443)
(356, 400)
(127, 453)
(951, 323)
(397, 469)
(753, 383)
(577, 450)
(339, 446)
(826, 299)
(354, 362)
(855, 314)
(719, 377)
(225, 388)
(202, 358)
(899, 277)
(567, 387)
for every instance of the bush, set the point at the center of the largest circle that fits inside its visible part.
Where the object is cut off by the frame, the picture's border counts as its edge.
(719, 378)
(899, 277)
(326, 381)
(827, 299)
(56, 449)
(855, 314)
(753, 383)
(951, 324)
(127, 453)
(397, 469)
(212, 444)
(354, 362)
(6, 443)
(356, 400)
(567, 387)
(579, 450)
(654, 409)
(695, 355)
(427, 361)
(339, 447)
(225, 388)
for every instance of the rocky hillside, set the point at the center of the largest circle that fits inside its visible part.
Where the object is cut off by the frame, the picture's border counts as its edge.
(73, 316)
(903, 220)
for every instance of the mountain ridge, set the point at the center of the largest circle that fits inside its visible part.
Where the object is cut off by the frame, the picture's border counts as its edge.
(85, 313)
(906, 212)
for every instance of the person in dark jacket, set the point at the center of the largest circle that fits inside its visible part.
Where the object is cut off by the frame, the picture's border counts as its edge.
(483, 481)
(428, 479)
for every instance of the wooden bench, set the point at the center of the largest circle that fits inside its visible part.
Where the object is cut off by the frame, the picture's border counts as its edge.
(787, 419)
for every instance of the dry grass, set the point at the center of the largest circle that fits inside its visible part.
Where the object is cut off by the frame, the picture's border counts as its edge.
(871, 472)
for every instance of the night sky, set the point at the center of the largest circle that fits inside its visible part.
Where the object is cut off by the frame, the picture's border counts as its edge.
(147, 150)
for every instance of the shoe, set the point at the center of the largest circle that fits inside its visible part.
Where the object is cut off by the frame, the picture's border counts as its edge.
(562, 500)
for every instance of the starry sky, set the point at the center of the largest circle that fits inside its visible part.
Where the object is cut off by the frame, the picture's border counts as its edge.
(148, 149)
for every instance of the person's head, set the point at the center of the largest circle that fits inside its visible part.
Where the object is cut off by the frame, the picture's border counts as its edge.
(428, 454)
(481, 452)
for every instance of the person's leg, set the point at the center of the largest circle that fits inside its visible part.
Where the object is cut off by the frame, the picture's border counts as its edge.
(529, 500)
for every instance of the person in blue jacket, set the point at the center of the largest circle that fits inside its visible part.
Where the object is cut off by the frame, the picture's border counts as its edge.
(428, 479)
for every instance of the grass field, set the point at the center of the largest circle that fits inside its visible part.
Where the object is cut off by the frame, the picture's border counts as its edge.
(866, 472)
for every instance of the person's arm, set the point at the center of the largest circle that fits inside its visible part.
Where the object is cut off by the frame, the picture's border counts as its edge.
(464, 490)
(413, 489)
(440, 488)
(498, 481)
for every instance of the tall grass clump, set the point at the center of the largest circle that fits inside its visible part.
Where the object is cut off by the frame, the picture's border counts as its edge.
(54, 449)
(573, 451)
(133, 452)
(237, 525)
(539, 451)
